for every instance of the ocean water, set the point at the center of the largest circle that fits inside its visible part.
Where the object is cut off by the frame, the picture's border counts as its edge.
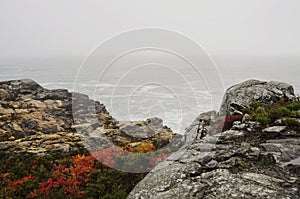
(166, 89)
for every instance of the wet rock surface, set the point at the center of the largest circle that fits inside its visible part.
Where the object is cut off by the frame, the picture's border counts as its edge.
(248, 160)
(38, 120)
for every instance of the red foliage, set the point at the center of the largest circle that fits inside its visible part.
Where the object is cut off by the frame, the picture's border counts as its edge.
(33, 194)
(106, 156)
(16, 183)
(68, 178)
(230, 119)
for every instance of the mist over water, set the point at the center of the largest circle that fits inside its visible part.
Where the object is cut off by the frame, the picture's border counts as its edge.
(154, 91)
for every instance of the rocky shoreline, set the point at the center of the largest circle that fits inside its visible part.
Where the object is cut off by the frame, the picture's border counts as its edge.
(255, 155)
(40, 121)
(249, 149)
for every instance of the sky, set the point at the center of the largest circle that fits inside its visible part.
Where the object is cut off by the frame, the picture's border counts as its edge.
(240, 36)
(72, 28)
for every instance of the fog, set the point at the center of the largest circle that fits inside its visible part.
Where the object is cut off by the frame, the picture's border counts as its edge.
(72, 28)
(49, 41)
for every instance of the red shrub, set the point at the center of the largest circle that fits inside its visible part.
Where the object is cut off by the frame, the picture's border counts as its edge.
(229, 121)
(17, 183)
(68, 178)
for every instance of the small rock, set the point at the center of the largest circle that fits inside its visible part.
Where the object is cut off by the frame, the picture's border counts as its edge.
(52, 129)
(236, 123)
(212, 164)
(278, 122)
(274, 129)
(245, 117)
(30, 124)
(4, 94)
(11, 138)
(239, 127)
(231, 134)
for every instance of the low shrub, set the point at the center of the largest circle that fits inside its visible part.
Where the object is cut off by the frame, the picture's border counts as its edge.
(294, 106)
(263, 118)
(278, 112)
(290, 122)
(62, 176)
(267, 114)
(77, 174)
(295, 114)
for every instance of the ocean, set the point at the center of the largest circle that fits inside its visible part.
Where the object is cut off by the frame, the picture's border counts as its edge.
(165, 89)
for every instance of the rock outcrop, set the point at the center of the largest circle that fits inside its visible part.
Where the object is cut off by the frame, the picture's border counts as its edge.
(248, 160)
(242, 95)
(37, 120)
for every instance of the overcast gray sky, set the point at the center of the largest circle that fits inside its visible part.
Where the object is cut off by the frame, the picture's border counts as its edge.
(35, 28)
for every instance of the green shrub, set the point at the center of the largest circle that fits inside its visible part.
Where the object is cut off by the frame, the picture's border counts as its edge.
(291, 122)
(246, 110)
(295, 114)
(263, 118)
(279, 112)
(294, 106)
(267, 114)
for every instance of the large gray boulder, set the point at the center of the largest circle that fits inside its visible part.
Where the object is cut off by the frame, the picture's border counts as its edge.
(242, 95)
(244, 162)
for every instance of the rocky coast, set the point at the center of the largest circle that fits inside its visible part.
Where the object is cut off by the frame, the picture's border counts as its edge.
(38, 120)
(255, 154)
(250, 148)
(61, 144)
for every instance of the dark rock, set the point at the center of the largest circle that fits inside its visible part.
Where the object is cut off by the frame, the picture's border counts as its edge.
(22, 134)
(52, 129)
(100, 108)
(30, 124)
(58, 94)
(4, 135)
(5, 95)
(24, 86)
(294, 169)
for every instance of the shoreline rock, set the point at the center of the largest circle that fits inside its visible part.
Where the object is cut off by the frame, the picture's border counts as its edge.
(240, 96)
(38, 120)
(247, 160)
